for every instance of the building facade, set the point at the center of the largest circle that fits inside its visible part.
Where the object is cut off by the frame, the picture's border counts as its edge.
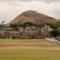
(27, 33)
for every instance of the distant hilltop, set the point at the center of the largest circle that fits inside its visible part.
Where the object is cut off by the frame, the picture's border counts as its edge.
(32, 16)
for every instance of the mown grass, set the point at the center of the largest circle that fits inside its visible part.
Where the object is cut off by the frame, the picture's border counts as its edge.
(29, 54)
(25, 42)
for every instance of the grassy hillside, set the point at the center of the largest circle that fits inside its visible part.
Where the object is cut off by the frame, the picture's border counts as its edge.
(33, 16)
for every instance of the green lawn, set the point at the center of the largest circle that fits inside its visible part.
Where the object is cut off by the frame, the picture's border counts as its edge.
(27, 54)
(25, 42)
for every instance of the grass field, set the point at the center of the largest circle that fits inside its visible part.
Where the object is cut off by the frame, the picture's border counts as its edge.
(25, 42)
(29, 50)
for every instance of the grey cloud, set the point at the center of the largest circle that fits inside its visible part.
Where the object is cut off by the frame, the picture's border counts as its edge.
(56, 14)
(33, 0)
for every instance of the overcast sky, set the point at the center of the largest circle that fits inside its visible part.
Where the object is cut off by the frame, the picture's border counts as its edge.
(9, 9)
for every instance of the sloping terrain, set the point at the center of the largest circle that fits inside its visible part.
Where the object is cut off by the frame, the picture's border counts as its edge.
(33, 16)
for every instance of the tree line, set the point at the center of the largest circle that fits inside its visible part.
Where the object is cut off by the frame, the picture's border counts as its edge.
(55, 27)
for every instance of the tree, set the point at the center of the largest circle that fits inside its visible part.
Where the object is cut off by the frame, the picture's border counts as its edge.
(14, 26)
(55, 33)
(2, 26)
(27, 24)
(55, 26)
